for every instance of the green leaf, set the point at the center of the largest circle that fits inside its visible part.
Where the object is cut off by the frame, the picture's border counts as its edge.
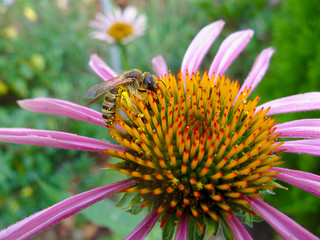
(105, 213)
(124, 200)
(226, 230)
(212, 226)
(169, 228)
(193, 231)
(55, 195)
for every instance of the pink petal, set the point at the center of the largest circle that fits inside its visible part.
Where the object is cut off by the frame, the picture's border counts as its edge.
(143, 228)
(285, 226)
(101, 68)
(159, 66)
(258, 69)
(298, 132)
(182, 230)
(311, 147)
(229, 50)
(306, 181)
(62, 108)
(55, 139)
(200, 46)
(237, 229)
(39, 221)
(296, 103)
(313, 122)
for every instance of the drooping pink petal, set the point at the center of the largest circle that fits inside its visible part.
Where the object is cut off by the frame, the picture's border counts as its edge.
(62, 108)
(285, 226)
(306, 181)
(296, 103)
(55, 139)
(144, 227)
(237, 229)
(230, 48)
(39, 221)
(311, 147)
(200, 46)
(159, 66)
(182, 230)
(101, 68)
(258, 69)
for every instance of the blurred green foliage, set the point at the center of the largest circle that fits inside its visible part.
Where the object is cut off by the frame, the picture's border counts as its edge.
(47, 56)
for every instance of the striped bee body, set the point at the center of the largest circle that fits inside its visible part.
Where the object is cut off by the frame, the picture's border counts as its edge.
(110, 105)
(118, 91)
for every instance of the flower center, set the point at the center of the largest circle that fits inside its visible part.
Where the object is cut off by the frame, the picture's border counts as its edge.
(120, 30)
(196, 148)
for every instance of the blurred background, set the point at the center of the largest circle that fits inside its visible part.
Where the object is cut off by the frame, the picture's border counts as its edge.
(44, 52)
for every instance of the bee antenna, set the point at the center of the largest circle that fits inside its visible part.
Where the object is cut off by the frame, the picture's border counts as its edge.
(162, 82)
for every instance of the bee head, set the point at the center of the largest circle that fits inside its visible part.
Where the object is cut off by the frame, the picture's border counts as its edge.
(149, 82)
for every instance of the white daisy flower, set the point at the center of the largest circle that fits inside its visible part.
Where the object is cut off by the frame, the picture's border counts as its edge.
(120, 26)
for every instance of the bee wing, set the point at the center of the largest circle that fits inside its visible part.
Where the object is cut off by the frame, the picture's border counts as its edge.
(97, 91)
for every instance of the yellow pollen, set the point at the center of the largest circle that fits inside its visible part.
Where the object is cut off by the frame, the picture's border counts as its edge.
(199, 185)
(175, 181)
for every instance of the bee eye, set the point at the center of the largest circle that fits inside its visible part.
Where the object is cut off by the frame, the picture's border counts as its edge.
(133, 74)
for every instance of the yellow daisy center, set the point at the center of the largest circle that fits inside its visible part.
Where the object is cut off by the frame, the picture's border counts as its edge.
(197, 149)
(120, 30)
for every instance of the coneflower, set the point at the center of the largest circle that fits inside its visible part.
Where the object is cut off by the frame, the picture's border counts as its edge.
(199, 152)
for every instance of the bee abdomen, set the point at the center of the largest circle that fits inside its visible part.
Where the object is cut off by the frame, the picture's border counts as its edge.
(110, 106)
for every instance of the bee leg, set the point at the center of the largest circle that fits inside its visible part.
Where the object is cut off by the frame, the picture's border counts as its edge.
(126, 102)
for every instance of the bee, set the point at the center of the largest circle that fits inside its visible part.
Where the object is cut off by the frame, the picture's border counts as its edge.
(131, 82)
